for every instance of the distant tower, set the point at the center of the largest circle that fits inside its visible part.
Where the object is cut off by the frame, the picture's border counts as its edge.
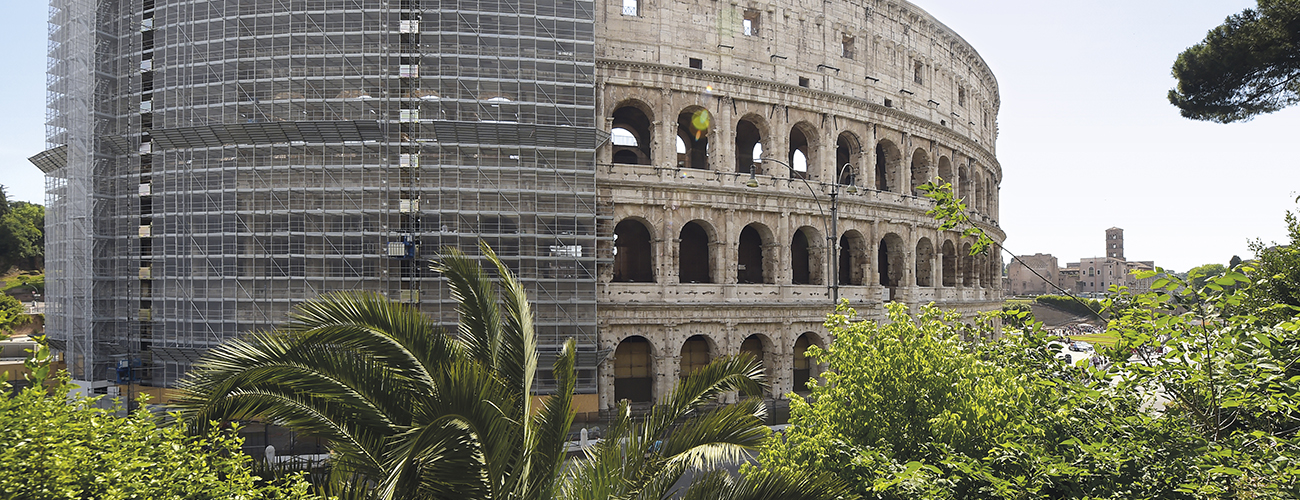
(1115, 243)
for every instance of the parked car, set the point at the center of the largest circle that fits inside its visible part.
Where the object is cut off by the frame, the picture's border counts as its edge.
(1080, 346)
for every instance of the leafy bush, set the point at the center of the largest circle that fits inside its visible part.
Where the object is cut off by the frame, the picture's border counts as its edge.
(61, 448)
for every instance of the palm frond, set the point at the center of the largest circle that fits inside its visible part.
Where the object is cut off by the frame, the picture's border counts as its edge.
(545, 449)
(728, 373)
(720, 437)
(479, 328)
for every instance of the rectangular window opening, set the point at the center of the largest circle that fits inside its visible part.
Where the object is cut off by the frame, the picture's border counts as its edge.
(919, 72)
(848, 47)
(803, 82)
(750, 24)
(631, 8)
(697, 63)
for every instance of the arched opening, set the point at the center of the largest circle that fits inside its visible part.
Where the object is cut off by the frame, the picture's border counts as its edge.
(804, 261)
(631, 135)
(920, 170)
(890, 260)
(949, 264)
(847, 153)
(756, 345)
(799, 260)
(976, 201)
(693, 127)
(693, 255)
(853, 258)
(634, 371)
(967, 266)
(632, 254)
(888, 160)
(749, 145)
(924, 263)
(805, 368)
(749, 259)
(696, 354)
(945, 170)
(801, 154)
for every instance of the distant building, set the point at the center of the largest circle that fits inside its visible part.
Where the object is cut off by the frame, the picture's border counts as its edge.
(1026, 274)
(1098, 274)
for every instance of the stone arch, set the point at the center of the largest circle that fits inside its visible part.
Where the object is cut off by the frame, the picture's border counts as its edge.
(803, 141)
(945, 170)
(633, 257)
(924, 263)
(805, 368)
(806, 264)
(694, 124)
(754, 260)
(853, 258)
(694, 258)
(950, 260)
(751, 130)
(889, 175)
(761, 347)
(697, 351)
(848, 159)
(890, 260)
(967, 266)
(637, 119)
(920, 170)
(634, 370)
(976, 200)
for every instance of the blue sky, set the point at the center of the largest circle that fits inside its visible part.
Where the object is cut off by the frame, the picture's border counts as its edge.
(1087, 140)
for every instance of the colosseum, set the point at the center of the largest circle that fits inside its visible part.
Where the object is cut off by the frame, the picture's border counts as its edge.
(671, 180)
(742, 135)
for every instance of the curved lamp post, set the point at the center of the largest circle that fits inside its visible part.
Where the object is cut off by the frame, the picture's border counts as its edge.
(832, 281)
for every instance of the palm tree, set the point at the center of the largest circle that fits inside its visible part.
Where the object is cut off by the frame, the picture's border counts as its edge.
(407, 410)
(688, 431)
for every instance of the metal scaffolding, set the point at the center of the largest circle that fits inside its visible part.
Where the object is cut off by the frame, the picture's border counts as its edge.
(211, 164)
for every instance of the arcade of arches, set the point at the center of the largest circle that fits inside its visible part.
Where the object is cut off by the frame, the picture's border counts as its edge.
(639, 372)
(887, 164)
(891, 262)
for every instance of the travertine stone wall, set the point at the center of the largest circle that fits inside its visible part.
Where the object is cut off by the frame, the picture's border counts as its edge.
(878, 89)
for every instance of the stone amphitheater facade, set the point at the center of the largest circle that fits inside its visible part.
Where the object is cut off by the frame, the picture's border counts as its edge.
(721, 246)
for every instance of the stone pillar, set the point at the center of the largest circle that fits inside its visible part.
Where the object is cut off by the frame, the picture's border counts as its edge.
(722, 144)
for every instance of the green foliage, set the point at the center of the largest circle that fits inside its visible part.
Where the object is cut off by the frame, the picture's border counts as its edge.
(1245, 67)
(1207, 407)
(22, 234)
(56, 447)
(408, 411)
(950, 211)
(1073, 305)
(412, 412)
(689, 429)
(1276, 274)
(1199, 274)
(12, 314)
(1017, 315)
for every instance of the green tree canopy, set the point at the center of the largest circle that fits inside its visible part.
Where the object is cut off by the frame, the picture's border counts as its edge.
(1200, 274)
(1245, 67)
(22, 234)
(56, 447)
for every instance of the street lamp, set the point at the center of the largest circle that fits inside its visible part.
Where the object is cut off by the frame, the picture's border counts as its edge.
(833, 281)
